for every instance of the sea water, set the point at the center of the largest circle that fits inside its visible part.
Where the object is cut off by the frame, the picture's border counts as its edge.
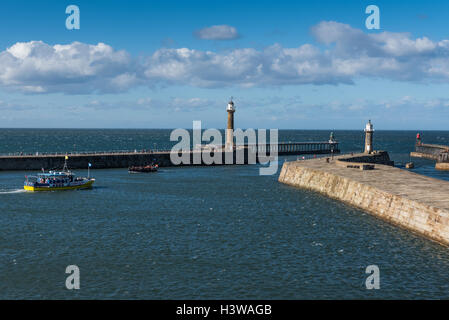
(222, 232)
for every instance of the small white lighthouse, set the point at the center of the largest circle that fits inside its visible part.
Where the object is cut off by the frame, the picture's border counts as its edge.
(230, 128)
(369, 130)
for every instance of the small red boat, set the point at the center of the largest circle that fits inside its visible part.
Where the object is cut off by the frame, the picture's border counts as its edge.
(147, 168)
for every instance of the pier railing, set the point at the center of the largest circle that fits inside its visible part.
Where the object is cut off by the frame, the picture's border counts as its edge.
(126, 158)
(281, 147)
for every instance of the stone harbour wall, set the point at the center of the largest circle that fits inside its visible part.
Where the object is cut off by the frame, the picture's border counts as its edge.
(354, 188)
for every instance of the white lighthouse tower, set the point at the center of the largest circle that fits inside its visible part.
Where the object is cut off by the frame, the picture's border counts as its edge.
(369, 130)
(230, 128)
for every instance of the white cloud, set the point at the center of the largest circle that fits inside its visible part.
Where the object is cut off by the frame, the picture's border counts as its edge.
(74, 68)
(220, 32)
(348, 54)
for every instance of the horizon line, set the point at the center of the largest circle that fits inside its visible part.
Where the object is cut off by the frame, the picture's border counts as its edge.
(128, 128)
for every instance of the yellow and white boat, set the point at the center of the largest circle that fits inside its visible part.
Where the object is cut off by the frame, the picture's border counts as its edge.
(54, 180)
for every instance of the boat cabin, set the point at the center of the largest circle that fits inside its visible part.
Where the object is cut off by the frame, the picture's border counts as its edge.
(51, 179)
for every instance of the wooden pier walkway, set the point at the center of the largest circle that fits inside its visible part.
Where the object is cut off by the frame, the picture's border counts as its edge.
(439, 153)
(430, 151)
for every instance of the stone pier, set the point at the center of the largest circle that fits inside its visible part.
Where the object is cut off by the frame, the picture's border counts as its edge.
(125, 159)
(409, 200)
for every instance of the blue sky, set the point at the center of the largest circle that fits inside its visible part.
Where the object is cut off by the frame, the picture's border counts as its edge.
(162, 64)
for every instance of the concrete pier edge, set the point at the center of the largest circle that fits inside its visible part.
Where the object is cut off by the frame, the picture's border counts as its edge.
(424, 212)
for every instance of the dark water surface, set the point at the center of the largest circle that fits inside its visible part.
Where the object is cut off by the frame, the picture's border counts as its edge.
(205, 232)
